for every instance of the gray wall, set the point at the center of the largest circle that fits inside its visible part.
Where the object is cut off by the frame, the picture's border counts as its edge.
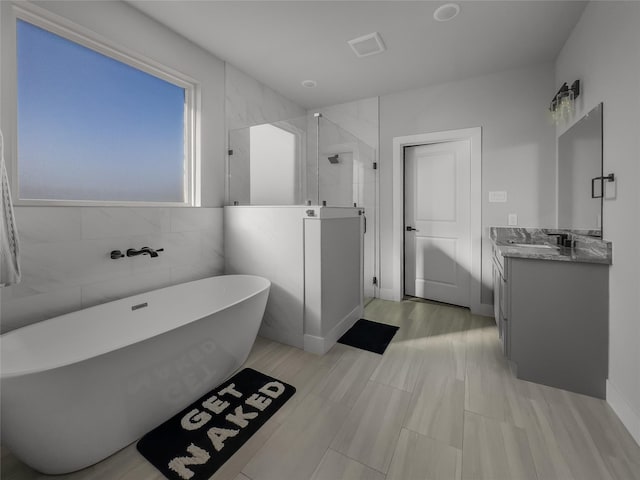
(518, 148)
(603, 51)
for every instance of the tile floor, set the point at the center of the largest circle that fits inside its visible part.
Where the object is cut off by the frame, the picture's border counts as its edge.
(441, 403)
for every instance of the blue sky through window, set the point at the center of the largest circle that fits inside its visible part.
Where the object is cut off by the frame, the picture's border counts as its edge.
(93, 128)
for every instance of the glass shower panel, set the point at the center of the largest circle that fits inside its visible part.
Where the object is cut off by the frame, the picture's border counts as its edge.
(338, 165)
(366, 190)
(345, 175)
(267, 163)
(238, 171)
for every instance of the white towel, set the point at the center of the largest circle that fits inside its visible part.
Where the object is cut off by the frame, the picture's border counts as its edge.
(9, 244)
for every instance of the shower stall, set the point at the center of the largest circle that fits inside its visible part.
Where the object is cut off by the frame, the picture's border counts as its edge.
(302, 201)
(307, 161)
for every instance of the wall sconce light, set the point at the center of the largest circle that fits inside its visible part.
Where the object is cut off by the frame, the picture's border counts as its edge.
(561, 107)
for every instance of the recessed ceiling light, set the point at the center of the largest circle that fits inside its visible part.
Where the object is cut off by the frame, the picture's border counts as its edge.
(446, 12)
(366, 45)
(309, 83)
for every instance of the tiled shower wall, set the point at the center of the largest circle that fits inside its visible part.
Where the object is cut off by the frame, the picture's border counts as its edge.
(66, 264)
(249, 102)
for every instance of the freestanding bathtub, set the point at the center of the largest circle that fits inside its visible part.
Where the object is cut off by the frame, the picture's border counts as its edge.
(79, 387)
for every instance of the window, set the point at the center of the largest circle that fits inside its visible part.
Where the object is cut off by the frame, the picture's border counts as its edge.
(92, 128)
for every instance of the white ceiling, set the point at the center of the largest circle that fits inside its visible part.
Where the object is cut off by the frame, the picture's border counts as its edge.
(282, 43)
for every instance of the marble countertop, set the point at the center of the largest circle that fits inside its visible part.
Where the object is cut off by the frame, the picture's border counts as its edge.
(538, 244)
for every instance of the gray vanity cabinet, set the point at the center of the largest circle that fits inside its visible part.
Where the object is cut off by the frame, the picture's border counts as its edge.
(500, 292)
(553, 321)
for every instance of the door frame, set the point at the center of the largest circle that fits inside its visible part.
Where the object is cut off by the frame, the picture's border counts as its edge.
(474, 135)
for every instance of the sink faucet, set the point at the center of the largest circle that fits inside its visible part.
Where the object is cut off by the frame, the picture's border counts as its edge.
(132, 252)
(564, 239)
(561, 237)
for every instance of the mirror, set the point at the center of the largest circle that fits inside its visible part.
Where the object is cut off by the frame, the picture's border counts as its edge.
(580, 184)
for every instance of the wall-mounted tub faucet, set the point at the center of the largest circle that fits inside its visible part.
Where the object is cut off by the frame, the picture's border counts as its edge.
(132, 252)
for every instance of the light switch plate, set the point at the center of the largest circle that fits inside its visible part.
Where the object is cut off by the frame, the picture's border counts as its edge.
(497, 197)
(513, 219)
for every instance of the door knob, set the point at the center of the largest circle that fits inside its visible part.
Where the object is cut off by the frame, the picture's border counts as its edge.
(411, 229)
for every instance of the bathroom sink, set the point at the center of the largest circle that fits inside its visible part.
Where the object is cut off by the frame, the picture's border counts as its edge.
(533, 245)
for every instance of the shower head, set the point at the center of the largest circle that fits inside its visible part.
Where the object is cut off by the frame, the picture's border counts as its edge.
(334, 158)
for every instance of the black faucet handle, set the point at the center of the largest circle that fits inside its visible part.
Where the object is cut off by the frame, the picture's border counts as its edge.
(149, 249)
(115, 254)
(560, 237)
(564, 239)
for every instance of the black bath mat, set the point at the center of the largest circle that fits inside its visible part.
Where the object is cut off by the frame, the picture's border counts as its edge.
(195, 443)
(368, 335)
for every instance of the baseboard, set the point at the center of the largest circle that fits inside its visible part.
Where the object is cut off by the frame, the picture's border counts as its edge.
(625, 412)
(482, 309)
(288, 338)
(321, 345)
(345, 324)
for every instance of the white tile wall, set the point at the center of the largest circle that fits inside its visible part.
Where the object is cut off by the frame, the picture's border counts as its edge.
(108, 290)
(253, 246)
(66, 264)
(49, 224)
(119, 221)
(249, 102)
(18, 312)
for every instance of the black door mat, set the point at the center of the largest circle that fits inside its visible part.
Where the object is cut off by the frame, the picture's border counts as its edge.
(195, 443)
(368, 335)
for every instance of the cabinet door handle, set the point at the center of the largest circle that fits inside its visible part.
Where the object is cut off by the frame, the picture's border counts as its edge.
(411, 229)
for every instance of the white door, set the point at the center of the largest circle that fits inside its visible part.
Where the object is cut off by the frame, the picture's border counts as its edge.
(437, 234)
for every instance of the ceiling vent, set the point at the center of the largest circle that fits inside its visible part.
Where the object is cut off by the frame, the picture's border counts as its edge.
(367, 45)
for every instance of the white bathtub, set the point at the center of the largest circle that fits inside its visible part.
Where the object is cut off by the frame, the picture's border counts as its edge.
(79, 387)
